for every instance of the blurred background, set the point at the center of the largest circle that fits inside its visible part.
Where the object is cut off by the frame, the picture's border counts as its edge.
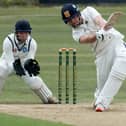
(52, 2)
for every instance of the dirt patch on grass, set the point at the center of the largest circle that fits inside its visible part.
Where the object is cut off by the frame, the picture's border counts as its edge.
(77, 115)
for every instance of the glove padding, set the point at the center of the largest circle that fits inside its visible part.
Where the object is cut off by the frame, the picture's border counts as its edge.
(103, 35)
(99, 36)
(32, 67)
(18, 67)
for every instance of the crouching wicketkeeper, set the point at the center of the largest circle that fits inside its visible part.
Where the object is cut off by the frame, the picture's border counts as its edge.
(18, 56)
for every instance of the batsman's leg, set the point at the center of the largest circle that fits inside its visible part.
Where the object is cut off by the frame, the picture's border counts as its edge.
(40, 88)
(113, 84)
(103, 66)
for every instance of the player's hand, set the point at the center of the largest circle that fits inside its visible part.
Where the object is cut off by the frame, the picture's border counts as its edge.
(100, 36)
(18, 67)
(32, 67)
(103, 35)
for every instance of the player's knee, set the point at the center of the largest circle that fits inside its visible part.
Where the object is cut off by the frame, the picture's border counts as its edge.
(119, 69)
(119, 75)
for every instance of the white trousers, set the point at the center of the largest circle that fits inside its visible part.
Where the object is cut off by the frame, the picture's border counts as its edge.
(111, 72)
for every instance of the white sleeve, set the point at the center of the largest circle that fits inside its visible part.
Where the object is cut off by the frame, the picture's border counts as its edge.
(76, 34)
(8, 54)
(93, 13)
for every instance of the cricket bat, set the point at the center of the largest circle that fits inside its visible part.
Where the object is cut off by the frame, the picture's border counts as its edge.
(113, 19)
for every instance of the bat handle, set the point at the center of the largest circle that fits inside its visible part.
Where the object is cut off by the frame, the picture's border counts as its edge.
(107, 27)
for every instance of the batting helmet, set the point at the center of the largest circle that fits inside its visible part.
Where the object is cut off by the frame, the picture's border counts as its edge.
(23, 26)
(69, 11)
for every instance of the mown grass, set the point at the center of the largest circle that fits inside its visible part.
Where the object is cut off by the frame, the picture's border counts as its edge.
(9, 120)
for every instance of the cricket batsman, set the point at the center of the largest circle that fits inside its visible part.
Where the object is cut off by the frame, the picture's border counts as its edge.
(19, 49)
(89, 27)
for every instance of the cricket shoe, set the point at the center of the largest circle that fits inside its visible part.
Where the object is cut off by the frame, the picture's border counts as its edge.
(99, 108)
(93, 104)
(52, 100)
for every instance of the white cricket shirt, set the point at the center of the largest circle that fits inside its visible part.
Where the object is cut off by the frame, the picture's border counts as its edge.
(89, 26)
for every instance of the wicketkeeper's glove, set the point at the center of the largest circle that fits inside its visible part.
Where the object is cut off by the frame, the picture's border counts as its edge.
(32, 67)
(18, 67)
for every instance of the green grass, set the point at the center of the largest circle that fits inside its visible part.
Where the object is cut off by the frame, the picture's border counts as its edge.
(51, 34)
(9, 120)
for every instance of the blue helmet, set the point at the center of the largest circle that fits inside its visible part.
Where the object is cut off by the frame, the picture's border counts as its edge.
(23, 26)
(69, 11)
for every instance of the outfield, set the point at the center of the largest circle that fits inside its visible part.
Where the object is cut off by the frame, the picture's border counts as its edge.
(51, 34)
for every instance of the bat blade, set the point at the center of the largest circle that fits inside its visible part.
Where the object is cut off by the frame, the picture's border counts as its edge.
(113, 18)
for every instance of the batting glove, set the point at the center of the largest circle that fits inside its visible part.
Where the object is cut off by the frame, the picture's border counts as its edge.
(100, 35)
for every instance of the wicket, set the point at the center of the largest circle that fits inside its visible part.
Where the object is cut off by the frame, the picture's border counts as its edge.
(67, 52)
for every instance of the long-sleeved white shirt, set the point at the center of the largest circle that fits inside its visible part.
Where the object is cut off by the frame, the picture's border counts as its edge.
(12, 50)
(89, 26)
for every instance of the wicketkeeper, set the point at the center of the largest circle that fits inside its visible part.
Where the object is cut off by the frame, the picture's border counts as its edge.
(88, 26)
(18, 57)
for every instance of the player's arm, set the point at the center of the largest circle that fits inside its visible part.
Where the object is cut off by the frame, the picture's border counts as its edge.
(8, 54)
(11, 62)
(102, 23)
(96, 17)
(87, 38)
(93, 36)
(83, 38)
(99, 36)
(98, 20)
